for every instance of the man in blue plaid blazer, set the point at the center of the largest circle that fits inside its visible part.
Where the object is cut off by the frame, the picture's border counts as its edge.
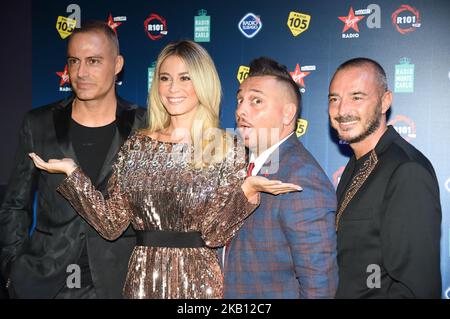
(287, 247)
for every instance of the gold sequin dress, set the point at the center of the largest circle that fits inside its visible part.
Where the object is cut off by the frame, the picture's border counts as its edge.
(154, 187)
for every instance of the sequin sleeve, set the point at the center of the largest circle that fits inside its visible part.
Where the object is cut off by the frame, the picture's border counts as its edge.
(228, 206)
(111, 216)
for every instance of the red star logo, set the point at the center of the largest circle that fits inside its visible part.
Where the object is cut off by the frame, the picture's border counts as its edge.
(298, 76)
(351, 21)
(112, 24)
(64, 76)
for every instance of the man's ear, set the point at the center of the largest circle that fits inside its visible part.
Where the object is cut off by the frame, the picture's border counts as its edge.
(386, 101)
(289, 112)
(119, 64)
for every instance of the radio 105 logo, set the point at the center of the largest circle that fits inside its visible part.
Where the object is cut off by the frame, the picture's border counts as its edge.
(66, 25)
(302, 126)
(242, 73)
(298, 22)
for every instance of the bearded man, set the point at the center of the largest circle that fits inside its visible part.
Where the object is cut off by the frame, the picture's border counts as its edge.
(389, 214)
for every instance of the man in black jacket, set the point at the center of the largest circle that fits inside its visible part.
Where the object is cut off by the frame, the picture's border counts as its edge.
(64, 257)
(389, 213)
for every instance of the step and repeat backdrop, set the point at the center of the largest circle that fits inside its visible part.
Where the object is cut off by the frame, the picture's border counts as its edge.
(410, 38)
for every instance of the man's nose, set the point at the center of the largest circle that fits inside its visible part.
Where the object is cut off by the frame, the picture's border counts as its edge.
(83, 70)
(343, 106)
(242, 109)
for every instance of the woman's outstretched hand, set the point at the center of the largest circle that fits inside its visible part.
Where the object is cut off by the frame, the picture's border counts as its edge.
(255, 184)
(65, 165)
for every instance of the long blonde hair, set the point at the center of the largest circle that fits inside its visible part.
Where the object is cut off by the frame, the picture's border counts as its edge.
(207, 87)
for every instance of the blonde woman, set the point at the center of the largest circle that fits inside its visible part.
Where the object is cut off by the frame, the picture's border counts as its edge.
(181, 183)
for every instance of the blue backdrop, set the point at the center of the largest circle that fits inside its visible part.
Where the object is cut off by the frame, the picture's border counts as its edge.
(409, 38)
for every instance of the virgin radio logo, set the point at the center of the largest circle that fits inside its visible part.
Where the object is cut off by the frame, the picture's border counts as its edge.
(337, 176)
(404, 126)
(406, 19)
(155, 26)
(351, 22)
(64, 82)
(354, 17)
(299, 74)
(115, 22)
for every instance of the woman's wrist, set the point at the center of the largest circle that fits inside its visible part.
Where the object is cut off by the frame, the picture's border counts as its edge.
(71, 170)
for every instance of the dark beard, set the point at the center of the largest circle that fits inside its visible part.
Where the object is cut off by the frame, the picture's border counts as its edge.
(373, 125)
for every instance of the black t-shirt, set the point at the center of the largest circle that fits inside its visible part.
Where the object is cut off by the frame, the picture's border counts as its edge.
(91, 145)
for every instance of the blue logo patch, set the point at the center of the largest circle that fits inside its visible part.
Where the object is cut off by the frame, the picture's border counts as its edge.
(250, 25)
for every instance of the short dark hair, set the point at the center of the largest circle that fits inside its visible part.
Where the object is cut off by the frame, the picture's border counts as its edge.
(100, 27)
(361, 61)
(264, 66)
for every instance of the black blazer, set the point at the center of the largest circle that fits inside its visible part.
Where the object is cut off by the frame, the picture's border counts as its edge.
(37, 265)
(394, 222)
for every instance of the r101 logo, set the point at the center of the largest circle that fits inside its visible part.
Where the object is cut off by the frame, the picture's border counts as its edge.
(407, 19)
(403, 129)
(155, 27)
